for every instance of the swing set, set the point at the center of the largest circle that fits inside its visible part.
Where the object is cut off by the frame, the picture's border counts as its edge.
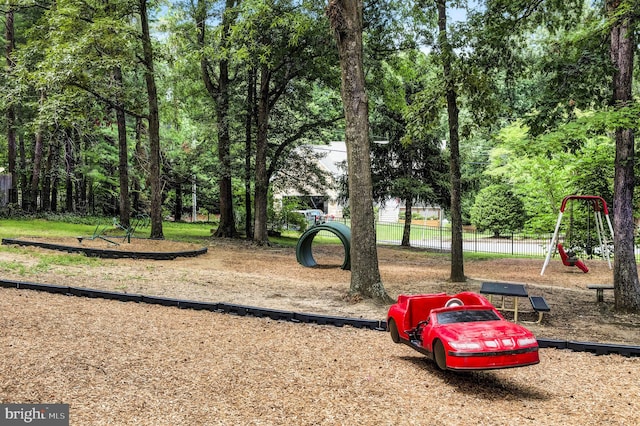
(568, 256)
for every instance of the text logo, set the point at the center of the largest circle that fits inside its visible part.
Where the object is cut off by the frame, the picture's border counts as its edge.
(34, 414)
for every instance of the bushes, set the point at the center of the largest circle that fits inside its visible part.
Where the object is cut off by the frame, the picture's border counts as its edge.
(496, 209)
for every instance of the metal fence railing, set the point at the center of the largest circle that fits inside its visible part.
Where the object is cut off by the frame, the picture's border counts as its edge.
(439, 238)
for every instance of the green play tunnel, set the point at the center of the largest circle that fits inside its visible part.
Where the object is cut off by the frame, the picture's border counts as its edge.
(304, 253)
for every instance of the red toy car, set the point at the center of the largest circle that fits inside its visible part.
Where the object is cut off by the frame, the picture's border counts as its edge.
(461, 332)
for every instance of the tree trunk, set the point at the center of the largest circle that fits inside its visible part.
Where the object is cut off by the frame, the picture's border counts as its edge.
(123, 154)
(407, 168)
(625, 271)
(46, 177)
(154, 127)
(220, 93)
(140, 166)
(70, 170)
(55, 175)
(83, 184)
(11, 113)
(406, 233)
(110, 203)
(262, 182)
(12, 154)
(346, 21)
(37, 166)
(457, 255)
(23, 173)
(177, 211)
(227, 225)
(251, 96)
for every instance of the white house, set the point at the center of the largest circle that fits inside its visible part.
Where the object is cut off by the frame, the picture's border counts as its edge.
(332, 158)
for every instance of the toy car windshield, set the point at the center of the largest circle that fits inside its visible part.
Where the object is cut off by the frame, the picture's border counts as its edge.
(467, 316)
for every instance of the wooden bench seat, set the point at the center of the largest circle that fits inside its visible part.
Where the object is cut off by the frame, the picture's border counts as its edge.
(539, 304)
(600, 288)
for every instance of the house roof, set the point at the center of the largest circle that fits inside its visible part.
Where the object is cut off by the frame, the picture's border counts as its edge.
(335, 153)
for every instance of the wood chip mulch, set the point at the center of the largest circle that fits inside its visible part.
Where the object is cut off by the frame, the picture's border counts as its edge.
(121, 363)
(134, 364)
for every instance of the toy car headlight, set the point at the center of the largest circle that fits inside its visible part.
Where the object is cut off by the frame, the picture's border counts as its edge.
(491, 344)
(526, 341)
(465, 345)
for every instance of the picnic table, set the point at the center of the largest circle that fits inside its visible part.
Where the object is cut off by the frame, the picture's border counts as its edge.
(505, 290)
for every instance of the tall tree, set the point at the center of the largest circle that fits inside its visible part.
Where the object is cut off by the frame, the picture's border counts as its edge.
(249, 119)
(411, 165)
(11, 112)
(83, 48)
(123, 152)
(346, 21)
(38, 152)
(446, 52)
(261, 174)
(217, 85)
(623, 15)
(286, 43)
(154, 126)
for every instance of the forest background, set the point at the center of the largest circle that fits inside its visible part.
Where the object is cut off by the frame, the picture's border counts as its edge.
(119, 108)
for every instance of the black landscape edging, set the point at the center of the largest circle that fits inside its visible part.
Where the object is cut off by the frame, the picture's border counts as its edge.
(23, 285)
(103, 294)
(604, 349)
(274, 314)
(199, 306)
(163, 301)
(106, 253)
(550, 343)
(596, 348)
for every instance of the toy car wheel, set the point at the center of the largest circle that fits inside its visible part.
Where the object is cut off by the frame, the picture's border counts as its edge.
(439, 355)
(393, 329)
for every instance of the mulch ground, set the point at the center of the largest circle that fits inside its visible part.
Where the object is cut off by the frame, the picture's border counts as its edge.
(127, 363)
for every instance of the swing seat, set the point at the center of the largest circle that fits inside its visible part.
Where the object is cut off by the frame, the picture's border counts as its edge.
(571, 260)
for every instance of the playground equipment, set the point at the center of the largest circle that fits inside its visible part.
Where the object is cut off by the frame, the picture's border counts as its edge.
(304, 254)
(98, 233)
(568, 257)
(140, 221)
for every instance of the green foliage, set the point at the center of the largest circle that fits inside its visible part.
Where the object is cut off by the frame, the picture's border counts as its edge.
(411, 165)
(534, 96)
(296, 221)
(280, 216)
(541, 173)
(497, 209)
(579, 227)
(573, 70)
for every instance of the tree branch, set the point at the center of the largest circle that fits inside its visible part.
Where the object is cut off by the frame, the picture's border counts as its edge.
(296, 136)
(107, 101)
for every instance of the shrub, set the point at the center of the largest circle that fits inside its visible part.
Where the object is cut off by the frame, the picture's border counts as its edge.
(497, 209)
